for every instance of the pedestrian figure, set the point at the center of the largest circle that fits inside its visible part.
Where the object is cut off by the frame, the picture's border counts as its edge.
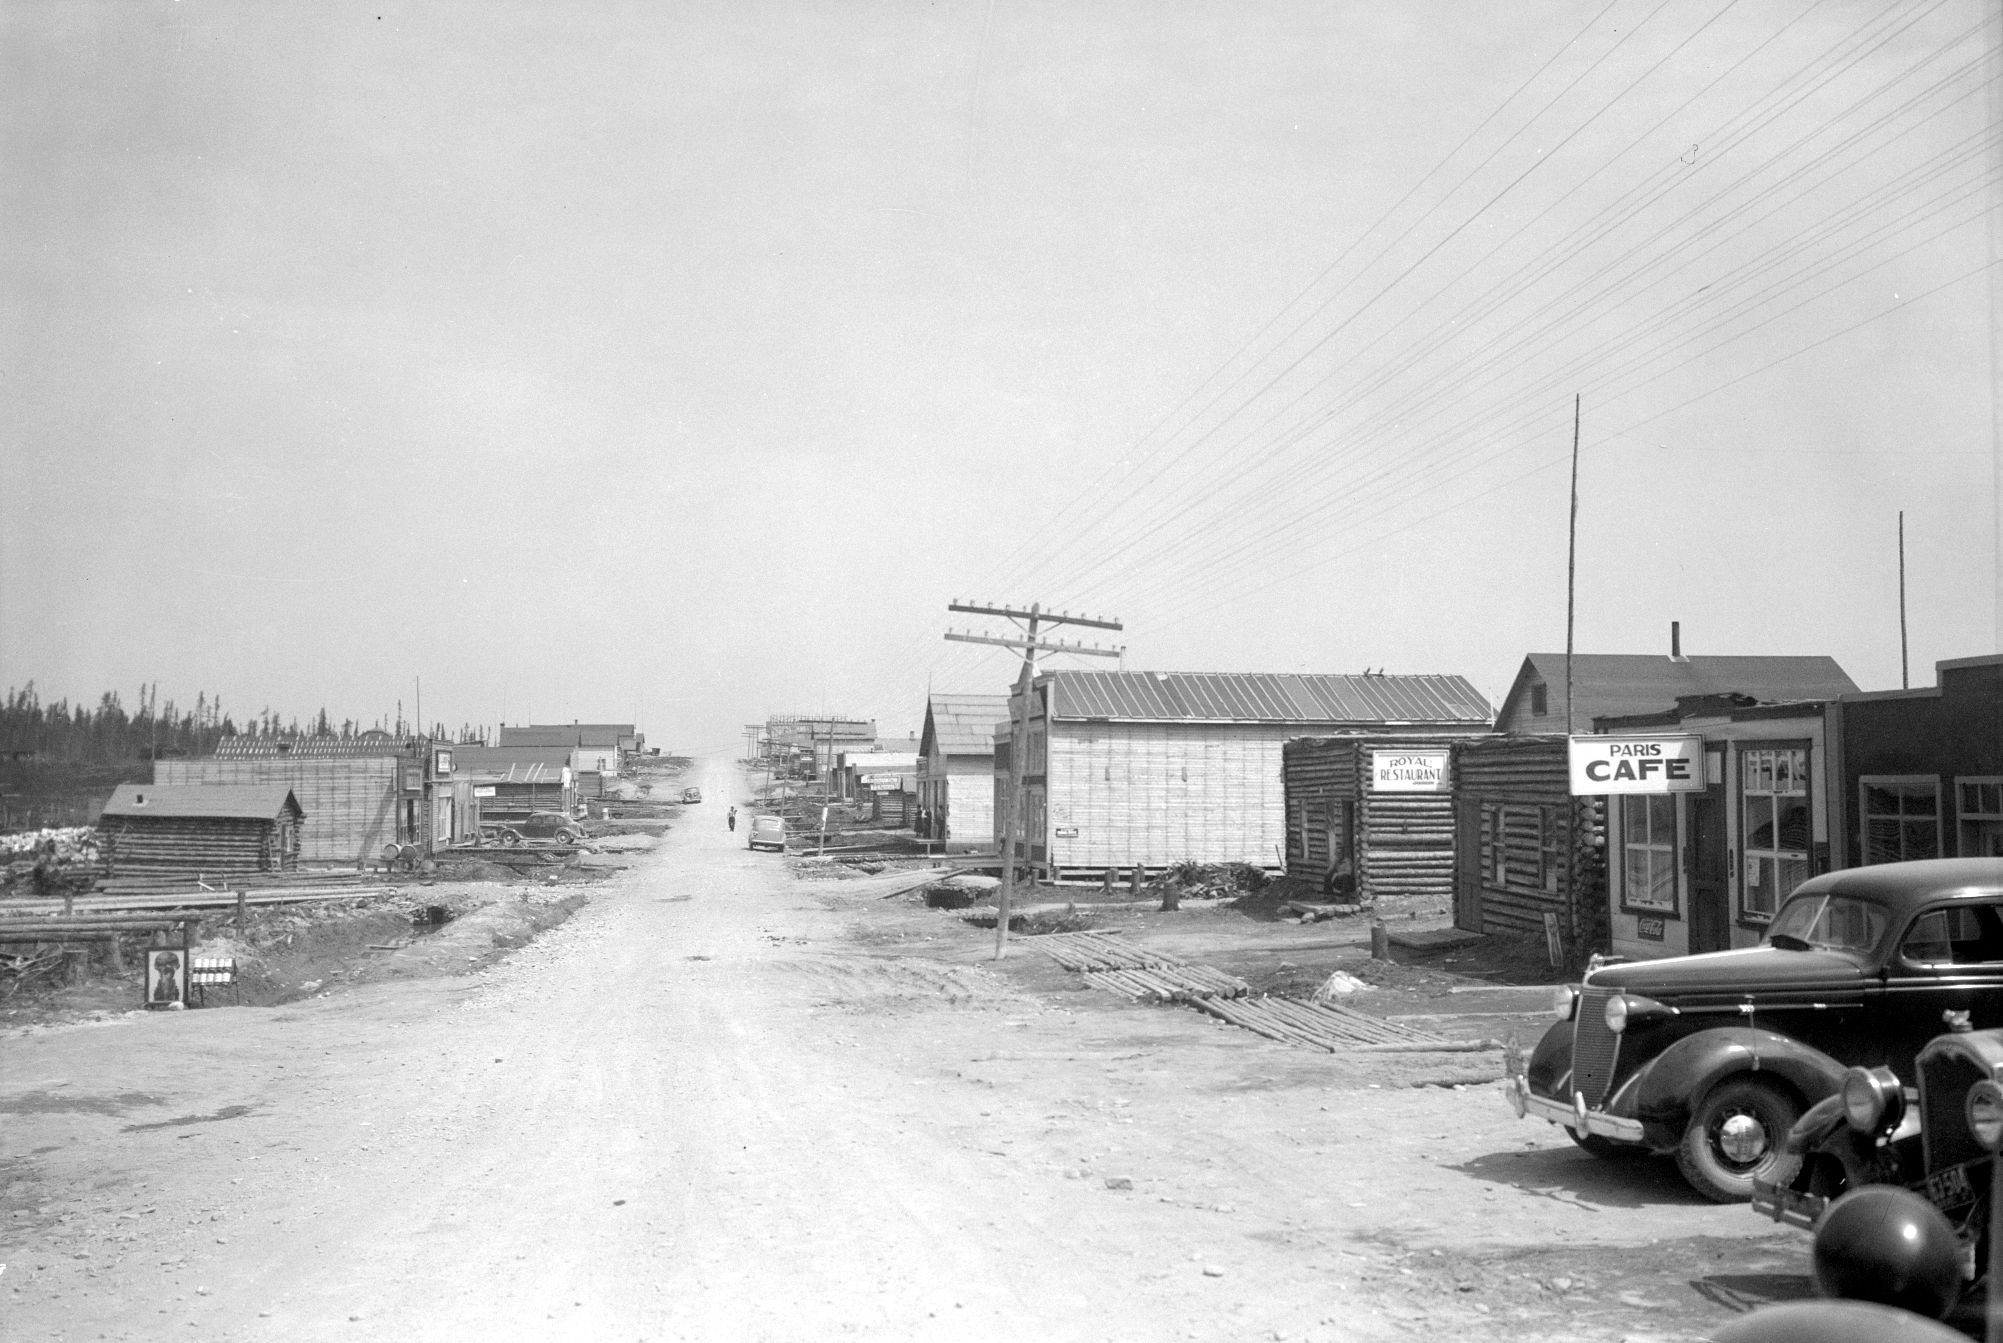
(732, 818)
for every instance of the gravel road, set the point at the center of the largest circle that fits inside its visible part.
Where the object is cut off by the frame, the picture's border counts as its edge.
(720, 1103)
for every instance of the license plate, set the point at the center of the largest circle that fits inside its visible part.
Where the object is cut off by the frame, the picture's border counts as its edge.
(1949, 1188)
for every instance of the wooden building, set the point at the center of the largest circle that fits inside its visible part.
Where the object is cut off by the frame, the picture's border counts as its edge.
(362, 792)
(1705, 870)
(1371, 815)
(1620, 684)
(597, 750)
(512, 781)
(1145, 770)
(955, 769)
(1919, 773)
(224, 829)
(1525, 849)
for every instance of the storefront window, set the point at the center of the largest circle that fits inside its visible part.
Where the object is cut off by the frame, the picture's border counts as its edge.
(1776, 826)
(1648, 843)
(1980, 804)
(1901, 817)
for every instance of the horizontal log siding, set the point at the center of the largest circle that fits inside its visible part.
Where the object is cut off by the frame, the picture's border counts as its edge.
(350, 803)
(1513, 796)
(1405, 841)
(1155, 794)
(139, 845)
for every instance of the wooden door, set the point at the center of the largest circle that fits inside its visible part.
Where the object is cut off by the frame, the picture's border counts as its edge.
(1709, 871)
(1467, 865)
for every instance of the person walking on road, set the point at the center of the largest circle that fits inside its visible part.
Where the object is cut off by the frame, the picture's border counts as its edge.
(732, 819)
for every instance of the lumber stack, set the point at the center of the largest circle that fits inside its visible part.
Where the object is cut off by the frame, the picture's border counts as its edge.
(1100, 951)
(1326, 1026)
(1170, 983)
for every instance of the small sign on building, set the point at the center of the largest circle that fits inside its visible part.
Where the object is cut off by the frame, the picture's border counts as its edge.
(1604, 765)
(1408, 771)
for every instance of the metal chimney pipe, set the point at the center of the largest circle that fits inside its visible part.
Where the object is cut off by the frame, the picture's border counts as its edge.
(1675, 641)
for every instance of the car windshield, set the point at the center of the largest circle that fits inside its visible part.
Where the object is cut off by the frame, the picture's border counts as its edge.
(1829, 923)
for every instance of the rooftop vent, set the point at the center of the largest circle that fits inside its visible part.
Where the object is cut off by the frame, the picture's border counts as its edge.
(1676, 642)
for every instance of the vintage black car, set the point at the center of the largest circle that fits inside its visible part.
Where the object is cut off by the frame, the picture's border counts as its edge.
(1714, 1057)
(1935, 1139)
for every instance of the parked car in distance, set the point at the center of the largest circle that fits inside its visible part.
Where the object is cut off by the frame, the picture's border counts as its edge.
(767, 832)
(691, 794)
(1714, 1057)
(548, 825)
(1936, 1138)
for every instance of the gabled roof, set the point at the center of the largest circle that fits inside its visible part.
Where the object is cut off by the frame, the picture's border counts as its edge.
(1614, 685)
(1260, 697)
(962, 724)
(329, 747)
(228, 801)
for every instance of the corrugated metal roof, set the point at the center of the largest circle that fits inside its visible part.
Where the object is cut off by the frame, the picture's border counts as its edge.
(1260, 697)
(964, 724)
(1608, 685)
(233, 801)
(512, 764)
(265, 747)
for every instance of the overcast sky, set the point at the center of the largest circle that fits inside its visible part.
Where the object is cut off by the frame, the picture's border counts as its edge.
(680, 362)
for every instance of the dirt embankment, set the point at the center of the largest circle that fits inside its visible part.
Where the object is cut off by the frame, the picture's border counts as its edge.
(450, 922)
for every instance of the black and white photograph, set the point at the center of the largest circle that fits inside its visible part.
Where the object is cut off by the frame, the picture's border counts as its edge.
(943, 670)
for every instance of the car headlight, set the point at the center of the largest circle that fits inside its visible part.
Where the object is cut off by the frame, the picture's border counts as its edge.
(1985, 1113)
(1873, 1099)
(1617, 1013)
(1563, 999)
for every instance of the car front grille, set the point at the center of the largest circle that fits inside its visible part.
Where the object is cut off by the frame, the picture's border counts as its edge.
(1945, 1079)
(1594, 1048)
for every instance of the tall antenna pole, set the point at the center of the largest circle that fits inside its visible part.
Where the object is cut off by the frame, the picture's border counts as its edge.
(1905, 680)
(1571, 563)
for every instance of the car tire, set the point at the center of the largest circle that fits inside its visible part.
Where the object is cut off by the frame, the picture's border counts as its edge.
(1743, 1112)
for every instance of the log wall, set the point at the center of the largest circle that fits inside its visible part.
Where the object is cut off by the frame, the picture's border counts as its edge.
(1526, 847)
(146, 845)
(1404, 841)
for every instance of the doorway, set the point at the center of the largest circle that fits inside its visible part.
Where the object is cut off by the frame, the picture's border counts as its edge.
(1710, 863)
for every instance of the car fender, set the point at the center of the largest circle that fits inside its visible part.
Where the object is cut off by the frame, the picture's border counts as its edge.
(1550, 1067)
(1668, 1089)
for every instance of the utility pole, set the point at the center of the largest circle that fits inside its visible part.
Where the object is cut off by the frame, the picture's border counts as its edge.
(1031, 622)
(1905, 679)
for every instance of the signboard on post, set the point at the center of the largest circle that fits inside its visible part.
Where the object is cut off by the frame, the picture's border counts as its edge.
(1603, 765)
(1408, 771)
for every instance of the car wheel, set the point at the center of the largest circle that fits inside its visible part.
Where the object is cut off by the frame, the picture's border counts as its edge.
(1605, 1148)
(1735, 1137)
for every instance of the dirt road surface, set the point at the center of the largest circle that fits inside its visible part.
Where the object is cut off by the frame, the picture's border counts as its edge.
(721, 1103)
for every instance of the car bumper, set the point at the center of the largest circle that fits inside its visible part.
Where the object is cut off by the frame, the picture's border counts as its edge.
(1575, 1117)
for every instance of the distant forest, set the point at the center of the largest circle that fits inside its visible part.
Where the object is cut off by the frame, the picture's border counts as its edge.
(107, 733)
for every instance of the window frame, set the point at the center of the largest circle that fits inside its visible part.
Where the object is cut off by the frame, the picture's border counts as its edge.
(1668, 848)
(1772, 855)
(1866, 782)
(1963, 815)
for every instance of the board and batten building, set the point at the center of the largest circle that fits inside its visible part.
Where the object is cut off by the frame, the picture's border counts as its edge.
(1128, 770)
(954, 773)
